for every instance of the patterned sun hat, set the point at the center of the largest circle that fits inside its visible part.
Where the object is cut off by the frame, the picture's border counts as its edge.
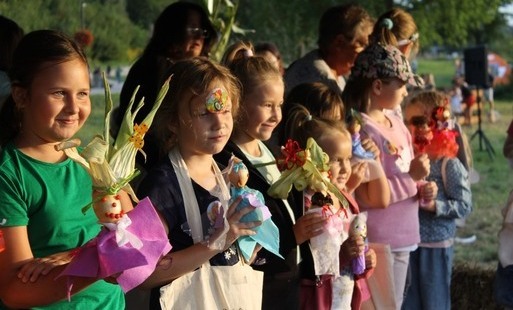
(378, 61)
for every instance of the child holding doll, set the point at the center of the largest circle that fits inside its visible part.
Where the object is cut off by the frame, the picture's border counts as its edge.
(193, 123)
(335, 141)
(41, 189)
(260, 113)
(431, 263)
(378, 83)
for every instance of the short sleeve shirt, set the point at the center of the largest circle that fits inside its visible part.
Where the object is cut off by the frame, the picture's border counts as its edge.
(47, 198)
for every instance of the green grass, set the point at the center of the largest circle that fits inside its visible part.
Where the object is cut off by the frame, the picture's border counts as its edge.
(94, 124)
(443, 70)
(490, 194)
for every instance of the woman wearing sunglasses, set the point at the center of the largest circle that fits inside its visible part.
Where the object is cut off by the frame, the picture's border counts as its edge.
(181, 31)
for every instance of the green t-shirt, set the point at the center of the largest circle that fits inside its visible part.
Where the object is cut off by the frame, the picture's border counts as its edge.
(48, 198)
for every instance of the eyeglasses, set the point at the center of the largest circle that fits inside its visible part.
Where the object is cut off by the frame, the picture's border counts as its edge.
(196, 32)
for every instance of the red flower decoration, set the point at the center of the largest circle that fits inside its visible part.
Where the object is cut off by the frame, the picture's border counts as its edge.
(84, 38)
(293, 155)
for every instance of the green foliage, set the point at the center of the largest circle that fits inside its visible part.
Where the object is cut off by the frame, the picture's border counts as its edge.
(455, 23)
(123, 26)
(143, 13)
(222, 14)
(110, 45)
(114, 33)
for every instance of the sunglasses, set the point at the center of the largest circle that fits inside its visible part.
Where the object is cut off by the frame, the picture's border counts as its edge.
(196, 32)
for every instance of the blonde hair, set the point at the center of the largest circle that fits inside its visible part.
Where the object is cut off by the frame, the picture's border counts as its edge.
(252, 71)
(196, 76)
(238, 50)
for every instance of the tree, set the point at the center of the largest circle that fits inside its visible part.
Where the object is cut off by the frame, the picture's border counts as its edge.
(455, 23)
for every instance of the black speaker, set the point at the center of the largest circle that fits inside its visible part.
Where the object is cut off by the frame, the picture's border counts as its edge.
(476, 66)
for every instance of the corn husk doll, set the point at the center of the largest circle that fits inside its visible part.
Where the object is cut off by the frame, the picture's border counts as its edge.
(132, 241)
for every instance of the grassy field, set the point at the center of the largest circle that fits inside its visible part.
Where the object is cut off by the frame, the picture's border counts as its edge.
(489, 195)
(443, 69)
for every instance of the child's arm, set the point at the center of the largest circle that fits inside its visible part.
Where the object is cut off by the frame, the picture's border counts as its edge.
(375, 193)
(458, 196)
(191, 258)
(15, 292)
(357, 176)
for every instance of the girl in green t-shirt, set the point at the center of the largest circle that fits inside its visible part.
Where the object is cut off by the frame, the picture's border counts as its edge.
(41, 190)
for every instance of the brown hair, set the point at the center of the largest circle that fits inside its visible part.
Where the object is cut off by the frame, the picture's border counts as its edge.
(356, 94)
(169, 29)
(318, 98)
(428, 99)
(301, 125)
(196, 76)
(36, 50)
(403, 27)
(10, 35)
(350, 20)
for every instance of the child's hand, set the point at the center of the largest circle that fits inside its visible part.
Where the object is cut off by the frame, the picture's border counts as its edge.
(357, 175)
(369, 145)
(237, 228)
(370, 259)
(353, 247)
(308, 226)
(429, 191)
(37, 267)
(419, 167)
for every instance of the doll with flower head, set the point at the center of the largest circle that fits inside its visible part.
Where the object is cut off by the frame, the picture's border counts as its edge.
(451, 199)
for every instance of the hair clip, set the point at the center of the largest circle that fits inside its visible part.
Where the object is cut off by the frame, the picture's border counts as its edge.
(248, 53)
(308, 118)
(387, 23)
